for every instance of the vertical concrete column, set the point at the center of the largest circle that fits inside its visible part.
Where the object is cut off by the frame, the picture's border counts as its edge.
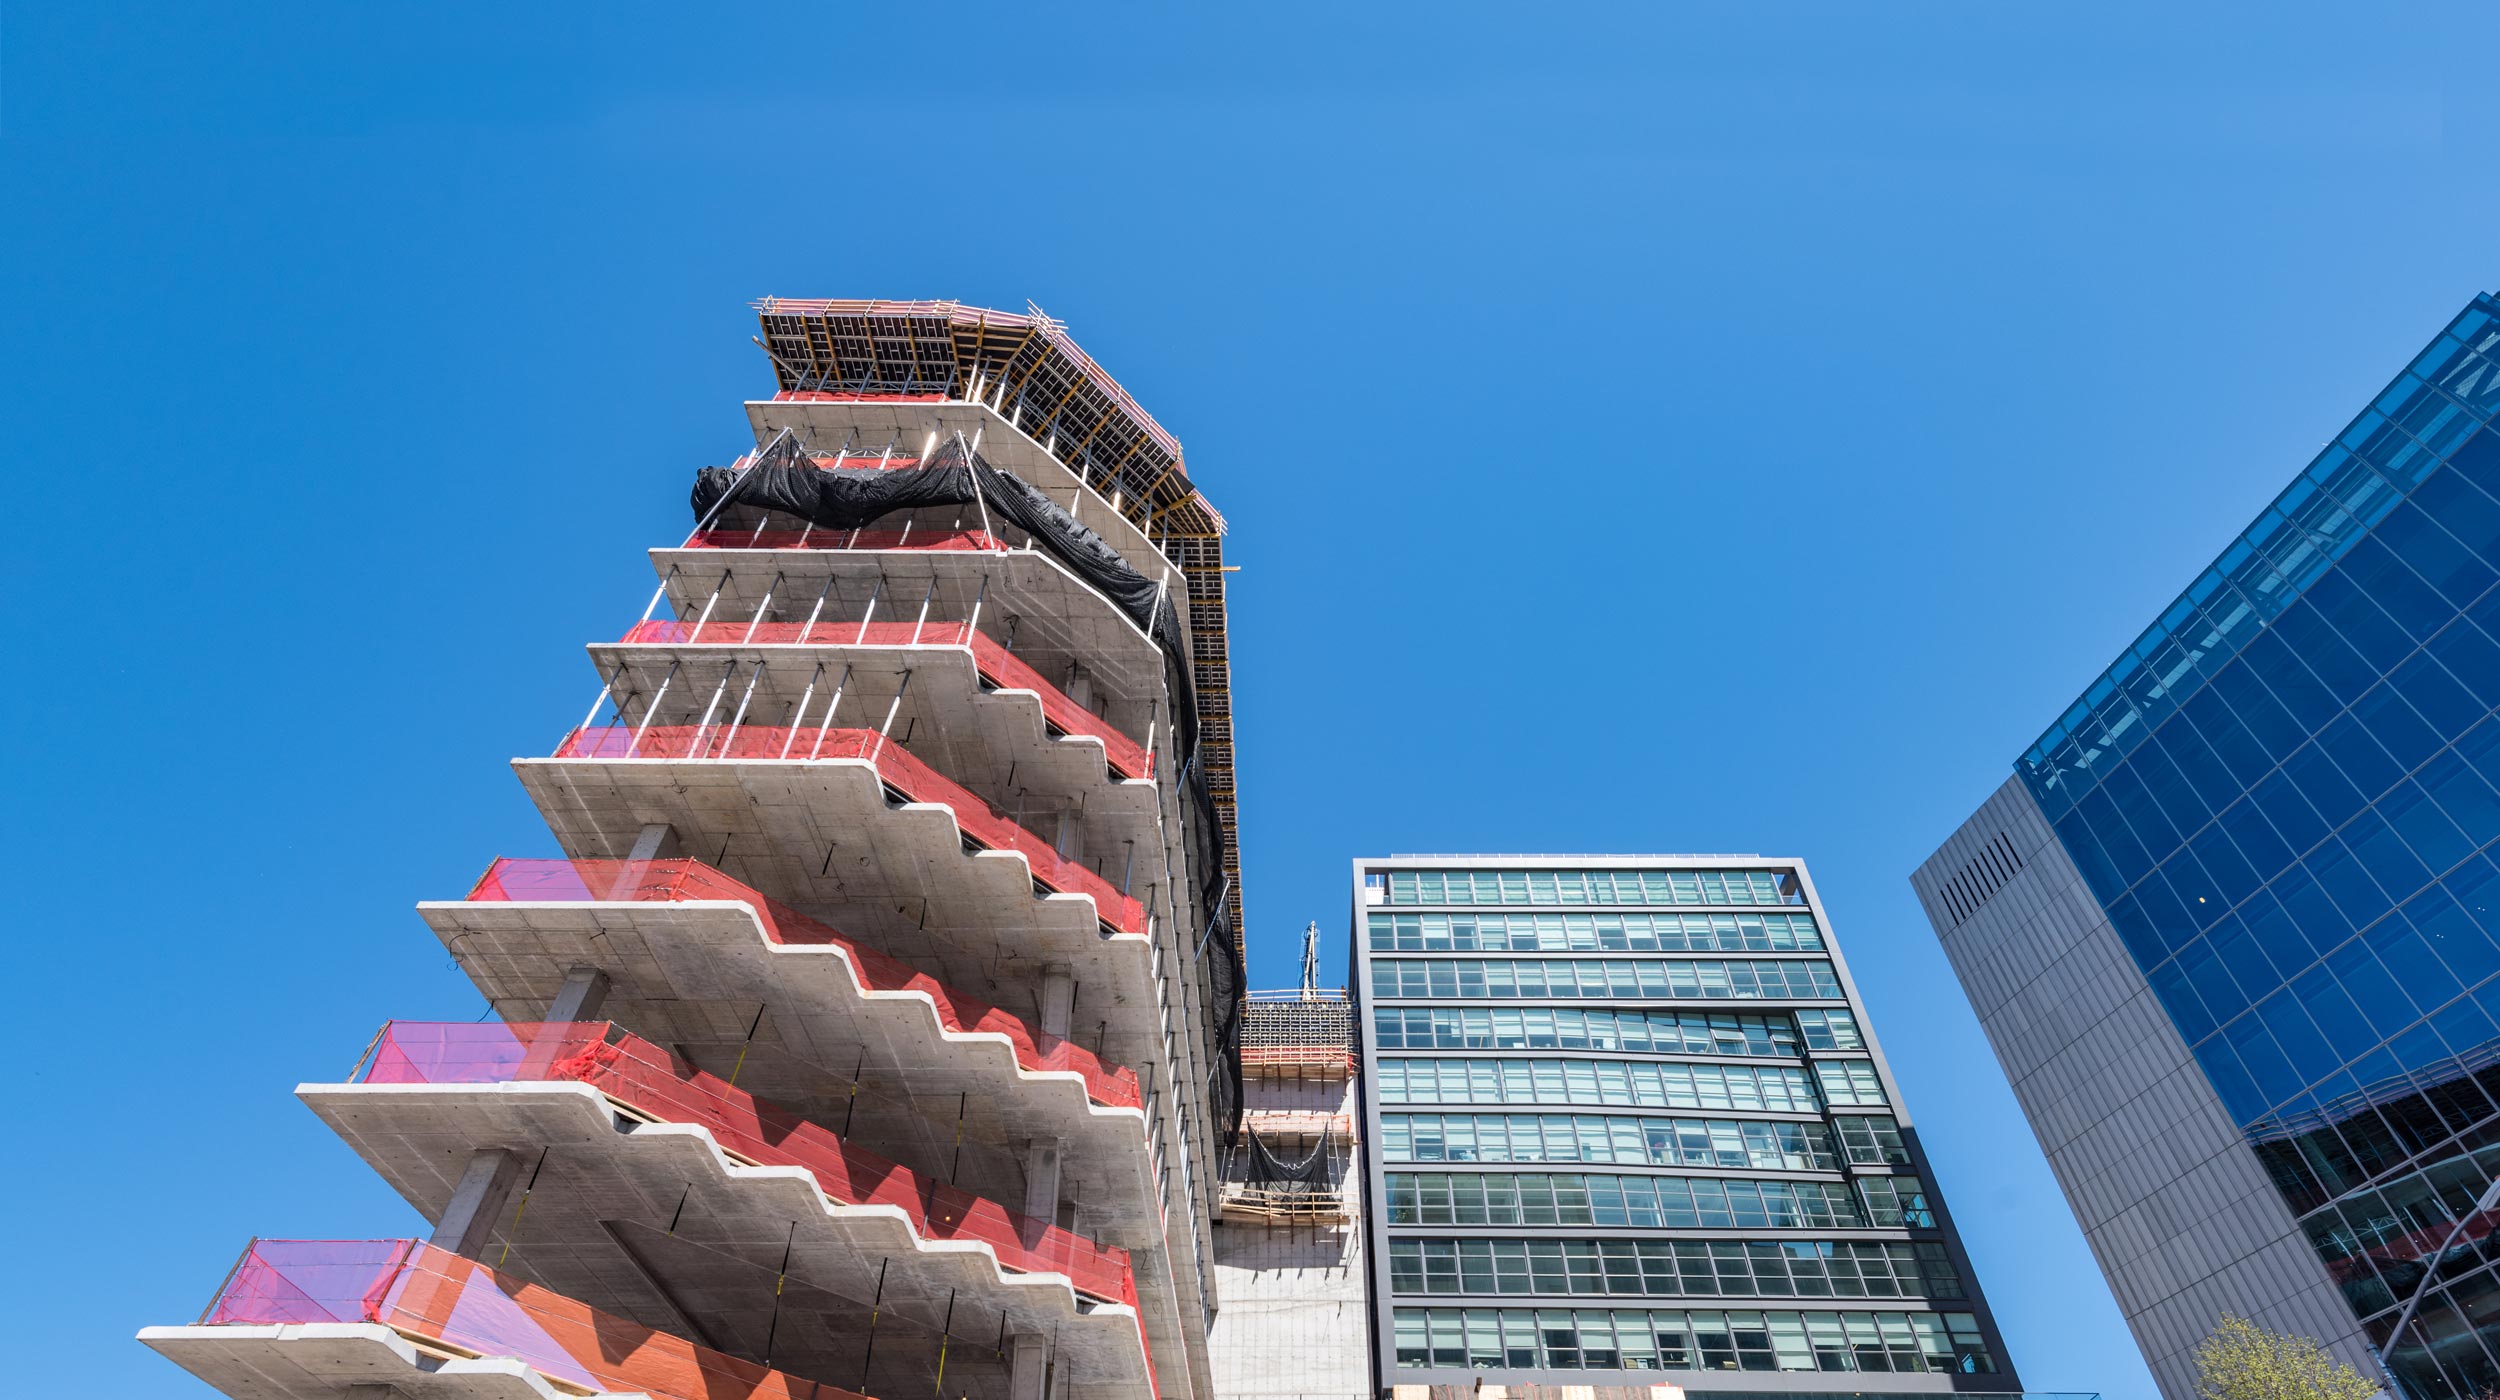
(585, 990)
(1080, 688)
(477, 1202)
(1058, 999)
(1027, 1360)
(658, 841)
(1041, 1178)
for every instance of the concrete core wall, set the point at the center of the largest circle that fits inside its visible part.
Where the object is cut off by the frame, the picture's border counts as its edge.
(1292, 1324)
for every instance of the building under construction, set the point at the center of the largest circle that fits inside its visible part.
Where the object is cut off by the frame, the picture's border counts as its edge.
(1289, 1235)
(876, 1030)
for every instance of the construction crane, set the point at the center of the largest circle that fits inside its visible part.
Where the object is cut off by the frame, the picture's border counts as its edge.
(1310, 961)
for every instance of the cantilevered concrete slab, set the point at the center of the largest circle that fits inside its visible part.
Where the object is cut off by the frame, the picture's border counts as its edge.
(824, 837)
(929, 699)
(693, 975)
(1059, 622)
(346, 1361)
(656, 1223)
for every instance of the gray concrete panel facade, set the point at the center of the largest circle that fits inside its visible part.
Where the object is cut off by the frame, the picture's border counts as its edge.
(2180, 1216)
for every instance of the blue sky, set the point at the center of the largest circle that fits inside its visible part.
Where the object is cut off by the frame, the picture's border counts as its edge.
(1643, 428)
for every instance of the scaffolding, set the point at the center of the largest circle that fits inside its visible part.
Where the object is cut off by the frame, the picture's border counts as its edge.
(1026, 368)
(1307, 1031)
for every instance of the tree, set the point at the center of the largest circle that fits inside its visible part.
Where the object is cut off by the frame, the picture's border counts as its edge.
(2243, 1361)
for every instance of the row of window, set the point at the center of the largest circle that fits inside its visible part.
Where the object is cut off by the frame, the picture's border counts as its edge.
(2352, 488)
(1606, 979)
(1591, 887)
(1656, 1032)
(1858, 1139)
(1632, 1084)
(1616, 1339)
(1655, 1202)
(1595, 933)
(1673, 1268)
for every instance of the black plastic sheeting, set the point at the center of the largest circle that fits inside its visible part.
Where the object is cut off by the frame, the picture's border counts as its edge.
(782, 478)
(1264, 1166)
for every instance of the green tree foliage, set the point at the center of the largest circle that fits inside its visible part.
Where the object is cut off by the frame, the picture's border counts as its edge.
(2243, 1361)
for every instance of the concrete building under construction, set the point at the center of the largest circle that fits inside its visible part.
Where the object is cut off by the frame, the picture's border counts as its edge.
(877, 1030)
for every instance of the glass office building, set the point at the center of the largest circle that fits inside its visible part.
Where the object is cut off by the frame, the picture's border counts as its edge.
(1626, 1115)
(2280, 803)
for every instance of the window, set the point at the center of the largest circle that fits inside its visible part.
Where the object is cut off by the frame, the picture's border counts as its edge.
(1597, 887)
(1565, 1339)
(1617, 1083)
(1635, 1202)
(1595, 1139)
(1599, 979)
(1482, 1266)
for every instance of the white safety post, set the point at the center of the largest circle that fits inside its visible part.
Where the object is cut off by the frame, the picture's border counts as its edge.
(708, 604)
(704, 726)
(798, 717)
(634, 745)
(656, 595)
(605, 692)
(729, 736)
(864, 618)
(762, 608)
(825, 725)
(816, 611)
(890, 712)
(923, 620)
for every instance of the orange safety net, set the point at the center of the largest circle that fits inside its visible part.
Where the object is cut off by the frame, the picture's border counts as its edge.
(997, 665)
(651, 1081)
(461, 1305)
(845, 539)
(981, 823)
(667, 881)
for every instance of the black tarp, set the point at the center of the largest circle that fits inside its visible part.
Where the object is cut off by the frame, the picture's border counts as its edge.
(783, 478)
(1318, 1170)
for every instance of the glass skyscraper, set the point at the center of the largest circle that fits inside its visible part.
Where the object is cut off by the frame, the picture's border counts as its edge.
(2270, 822)
(1626, 1115)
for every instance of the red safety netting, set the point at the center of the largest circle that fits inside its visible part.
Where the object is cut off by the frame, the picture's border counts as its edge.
(837, 396)
(997, 665)
(435, 1295)
(643, 1077)
(844, 539)
(981, 823)
(663, 881)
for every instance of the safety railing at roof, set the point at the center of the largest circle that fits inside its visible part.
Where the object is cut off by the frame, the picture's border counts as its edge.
(667, 881)
(997, 665)
(846, 539)
(649, 1080)
(425, 1292)
(981, 823)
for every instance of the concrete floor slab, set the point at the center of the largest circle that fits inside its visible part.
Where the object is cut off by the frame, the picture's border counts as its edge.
(328, 1360)
(692, 975)
(655, 1223)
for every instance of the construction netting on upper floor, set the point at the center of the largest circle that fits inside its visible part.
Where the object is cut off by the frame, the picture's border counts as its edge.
(1027, 369)
(784, 478)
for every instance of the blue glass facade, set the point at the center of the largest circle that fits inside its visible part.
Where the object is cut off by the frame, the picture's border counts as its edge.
(2286, 795)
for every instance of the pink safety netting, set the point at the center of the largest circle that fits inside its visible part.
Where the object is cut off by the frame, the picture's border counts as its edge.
(651, 1081)
(666, 881)
(429, 1293)
(997, 665)
(981, 823)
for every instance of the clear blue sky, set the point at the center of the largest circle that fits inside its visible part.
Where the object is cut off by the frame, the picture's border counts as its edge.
(1642, 429)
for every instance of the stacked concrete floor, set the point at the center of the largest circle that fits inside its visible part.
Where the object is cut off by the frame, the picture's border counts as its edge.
(872, 1033)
